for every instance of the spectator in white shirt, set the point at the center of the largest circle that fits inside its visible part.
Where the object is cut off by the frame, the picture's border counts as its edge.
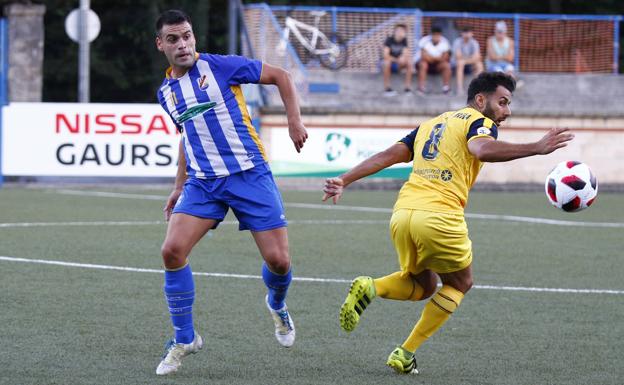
(433, 57)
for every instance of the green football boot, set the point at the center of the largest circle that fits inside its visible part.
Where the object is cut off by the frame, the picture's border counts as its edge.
(361, 293)
(402, 361)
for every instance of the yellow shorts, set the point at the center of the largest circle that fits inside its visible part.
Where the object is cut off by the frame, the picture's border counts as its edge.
(429, 240)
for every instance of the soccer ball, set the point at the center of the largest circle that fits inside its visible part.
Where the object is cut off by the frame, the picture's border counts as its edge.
(571, 186)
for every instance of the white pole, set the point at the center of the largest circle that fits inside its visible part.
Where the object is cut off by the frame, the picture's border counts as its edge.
(83, 52)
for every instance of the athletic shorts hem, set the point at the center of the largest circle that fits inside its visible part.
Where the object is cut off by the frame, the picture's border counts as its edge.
(264, 228)
(441, 271)
(187, 212)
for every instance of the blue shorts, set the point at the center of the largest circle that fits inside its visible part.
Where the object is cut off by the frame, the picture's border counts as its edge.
(252, 195)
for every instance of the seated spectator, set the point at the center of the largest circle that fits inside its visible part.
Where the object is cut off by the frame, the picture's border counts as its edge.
(500, 50)
(433, 57)
(395, 58)
(466, 57)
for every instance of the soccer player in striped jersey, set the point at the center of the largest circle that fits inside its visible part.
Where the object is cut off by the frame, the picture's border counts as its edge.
(222, 165)
(427, 225)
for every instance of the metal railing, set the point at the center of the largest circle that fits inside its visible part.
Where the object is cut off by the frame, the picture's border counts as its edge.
(600, 52)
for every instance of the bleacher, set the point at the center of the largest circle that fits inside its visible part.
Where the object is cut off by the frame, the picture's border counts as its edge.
(568, 64)
(543, 94)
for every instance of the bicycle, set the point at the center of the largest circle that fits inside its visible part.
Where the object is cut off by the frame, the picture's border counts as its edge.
(332, 52)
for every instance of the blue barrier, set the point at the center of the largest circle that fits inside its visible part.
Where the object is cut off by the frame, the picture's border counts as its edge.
(418, 16)
(616, 45)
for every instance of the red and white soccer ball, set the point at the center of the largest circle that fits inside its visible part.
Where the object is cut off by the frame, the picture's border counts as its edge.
(571, 186)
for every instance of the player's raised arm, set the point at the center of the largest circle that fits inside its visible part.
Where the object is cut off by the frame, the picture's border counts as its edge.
(488, 150)
(286, 86)
(179, 183)
(397, 153)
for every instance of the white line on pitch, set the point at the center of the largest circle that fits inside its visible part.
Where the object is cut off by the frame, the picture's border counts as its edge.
(301, 279)
(79, 223)
(144, 223)
(106, 194)
(495, 217)
(508, 218)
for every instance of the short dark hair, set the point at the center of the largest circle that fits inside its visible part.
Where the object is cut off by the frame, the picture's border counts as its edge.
(401, 25)
(487, 82)
(466, 28)
(436, 29)
(171, 17)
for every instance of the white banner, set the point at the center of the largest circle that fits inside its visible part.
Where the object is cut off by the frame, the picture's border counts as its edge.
(70, 139)
(329, 151)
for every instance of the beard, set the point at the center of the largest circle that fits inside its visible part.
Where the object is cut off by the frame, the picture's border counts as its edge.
(488, 111)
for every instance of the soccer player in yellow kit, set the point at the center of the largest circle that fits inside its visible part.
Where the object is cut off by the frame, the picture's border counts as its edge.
(427, 225)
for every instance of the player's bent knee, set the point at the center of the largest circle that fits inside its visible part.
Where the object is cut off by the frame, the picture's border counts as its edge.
(278, 262)
(467, 284)
(429, 283)
(464, 284)
(173, 255)
(280, 266)
(429, 290)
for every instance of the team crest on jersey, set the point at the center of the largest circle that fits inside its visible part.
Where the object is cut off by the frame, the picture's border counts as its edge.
(202, 83)
(484, 131)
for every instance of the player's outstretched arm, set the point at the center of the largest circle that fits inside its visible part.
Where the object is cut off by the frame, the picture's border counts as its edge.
(179, 183)
(396, 153)
(286, 86)
(490, 150)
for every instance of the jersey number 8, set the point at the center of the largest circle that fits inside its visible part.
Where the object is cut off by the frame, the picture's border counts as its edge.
(431, 148)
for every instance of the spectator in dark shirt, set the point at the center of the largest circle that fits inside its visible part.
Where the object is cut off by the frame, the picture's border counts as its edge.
(396, 56)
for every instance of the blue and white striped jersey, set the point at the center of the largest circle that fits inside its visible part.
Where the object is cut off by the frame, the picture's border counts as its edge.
(208, 107)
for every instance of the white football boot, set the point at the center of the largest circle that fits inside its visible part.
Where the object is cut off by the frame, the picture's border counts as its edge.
(174, 352)
(284, 327)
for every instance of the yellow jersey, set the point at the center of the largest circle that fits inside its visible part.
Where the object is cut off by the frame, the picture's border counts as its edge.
(444, 170)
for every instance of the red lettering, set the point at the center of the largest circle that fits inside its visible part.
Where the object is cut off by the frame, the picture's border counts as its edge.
(63, 118)
(127, 120)
(111, 123)
(102, 121)
(158, 124)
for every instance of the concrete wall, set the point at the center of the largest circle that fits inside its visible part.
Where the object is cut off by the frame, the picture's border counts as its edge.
(599, 142)
(26, 36)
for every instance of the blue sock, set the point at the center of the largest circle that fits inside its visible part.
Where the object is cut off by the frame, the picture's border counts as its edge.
(180, 293)
(277, 285)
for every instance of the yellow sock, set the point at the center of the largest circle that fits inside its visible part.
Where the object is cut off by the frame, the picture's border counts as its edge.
(434, 315)
(399, 285)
